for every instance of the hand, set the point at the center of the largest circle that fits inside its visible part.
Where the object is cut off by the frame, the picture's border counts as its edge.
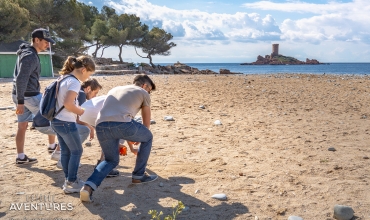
(134, 151)
(92, 133)
(134, 143)
(20, 109)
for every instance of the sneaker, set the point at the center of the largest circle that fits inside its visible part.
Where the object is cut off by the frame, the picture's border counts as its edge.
(51, 149)
(113, 173)
(25, 160)
(73, 187)
(145, 179)
(85, 195)
(55, 155)
(60, 166)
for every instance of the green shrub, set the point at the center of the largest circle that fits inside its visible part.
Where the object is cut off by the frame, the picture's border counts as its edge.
(177, 209)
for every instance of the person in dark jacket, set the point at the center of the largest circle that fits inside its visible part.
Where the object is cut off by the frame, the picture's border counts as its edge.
(26, 87)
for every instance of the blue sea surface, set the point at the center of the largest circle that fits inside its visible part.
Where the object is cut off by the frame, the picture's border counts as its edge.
(328, 68)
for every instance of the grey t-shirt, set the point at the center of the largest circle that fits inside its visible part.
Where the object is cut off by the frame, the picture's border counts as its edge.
(123, 103)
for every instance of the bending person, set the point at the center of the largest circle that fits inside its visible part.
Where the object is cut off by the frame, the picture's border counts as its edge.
(64, 124)
(115, 122)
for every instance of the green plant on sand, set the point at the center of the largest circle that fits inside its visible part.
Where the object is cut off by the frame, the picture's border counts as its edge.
(177, 209)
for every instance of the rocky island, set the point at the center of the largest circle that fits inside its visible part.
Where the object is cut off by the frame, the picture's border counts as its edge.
(277, 59)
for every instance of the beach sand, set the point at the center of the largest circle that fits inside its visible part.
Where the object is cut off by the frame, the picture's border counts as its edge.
(270, 155)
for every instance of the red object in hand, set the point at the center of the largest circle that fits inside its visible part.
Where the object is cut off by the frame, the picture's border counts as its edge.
(123, 151)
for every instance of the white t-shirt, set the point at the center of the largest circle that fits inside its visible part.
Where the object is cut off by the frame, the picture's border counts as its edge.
(92, 108)
(69, 84)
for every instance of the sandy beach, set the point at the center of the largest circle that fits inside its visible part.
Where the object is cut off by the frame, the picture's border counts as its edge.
(270, 156)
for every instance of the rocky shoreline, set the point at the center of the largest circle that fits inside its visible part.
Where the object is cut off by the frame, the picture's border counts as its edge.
(106, 66)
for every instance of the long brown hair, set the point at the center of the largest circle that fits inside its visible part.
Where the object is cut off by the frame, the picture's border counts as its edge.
(75, 63)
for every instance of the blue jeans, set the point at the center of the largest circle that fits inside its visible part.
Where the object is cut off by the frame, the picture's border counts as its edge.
(109, 134)
(70, 146)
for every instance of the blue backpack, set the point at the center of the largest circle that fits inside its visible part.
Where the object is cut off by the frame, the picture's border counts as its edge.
(49, 99)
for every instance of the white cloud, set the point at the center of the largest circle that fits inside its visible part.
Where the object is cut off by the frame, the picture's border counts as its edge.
(333, 21)
(332, 32)
(195, 24)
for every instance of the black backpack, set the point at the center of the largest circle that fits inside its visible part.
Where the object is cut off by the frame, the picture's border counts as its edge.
(49, 99)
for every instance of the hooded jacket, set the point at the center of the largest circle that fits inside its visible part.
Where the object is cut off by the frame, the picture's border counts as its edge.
(26, 73)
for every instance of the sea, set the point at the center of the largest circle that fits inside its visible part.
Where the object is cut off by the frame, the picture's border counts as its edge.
(327, 68)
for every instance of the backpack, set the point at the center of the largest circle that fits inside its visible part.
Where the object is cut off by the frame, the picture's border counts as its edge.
(48, 101)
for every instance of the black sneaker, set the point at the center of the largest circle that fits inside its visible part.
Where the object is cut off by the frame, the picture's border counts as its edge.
(145, 179)
(26, 160)
(113, 173)
(51, 149)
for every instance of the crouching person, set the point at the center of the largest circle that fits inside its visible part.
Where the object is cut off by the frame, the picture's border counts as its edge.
(115, 122)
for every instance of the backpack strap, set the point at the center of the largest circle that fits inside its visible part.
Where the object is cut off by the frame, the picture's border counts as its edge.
(59, 80)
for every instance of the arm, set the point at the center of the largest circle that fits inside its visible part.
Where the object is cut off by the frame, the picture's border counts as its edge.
(89, 126)
(132, 149)
(25, 68)
(146, 115)
(69, 103)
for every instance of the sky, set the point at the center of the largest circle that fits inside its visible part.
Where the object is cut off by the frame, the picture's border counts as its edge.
(237, 31)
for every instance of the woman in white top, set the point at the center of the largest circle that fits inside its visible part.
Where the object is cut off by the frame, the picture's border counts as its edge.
(64, 124)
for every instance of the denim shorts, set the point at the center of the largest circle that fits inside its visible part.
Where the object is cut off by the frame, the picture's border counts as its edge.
(31, 107)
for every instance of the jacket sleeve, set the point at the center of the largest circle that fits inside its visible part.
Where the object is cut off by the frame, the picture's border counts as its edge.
(27, 64)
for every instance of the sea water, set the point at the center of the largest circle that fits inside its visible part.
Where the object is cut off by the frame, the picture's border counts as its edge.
(327, 68)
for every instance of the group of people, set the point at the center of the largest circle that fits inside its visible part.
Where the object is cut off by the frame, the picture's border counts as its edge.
(82, 114)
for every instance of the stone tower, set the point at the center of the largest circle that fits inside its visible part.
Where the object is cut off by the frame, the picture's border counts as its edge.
(275, 50)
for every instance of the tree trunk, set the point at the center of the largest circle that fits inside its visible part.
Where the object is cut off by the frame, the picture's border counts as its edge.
(150, 60)
(103, 52)
(98, 46)
(120, 53)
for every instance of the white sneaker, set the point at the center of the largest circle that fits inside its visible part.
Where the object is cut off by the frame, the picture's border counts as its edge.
(74, 187)
(55, 155)
(60, 166)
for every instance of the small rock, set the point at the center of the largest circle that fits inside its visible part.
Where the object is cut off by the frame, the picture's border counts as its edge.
(366, 157)
(161, 184)
(217, 122)
(3, 108)
(168, 118)
(202, 107)
(342, 212)
(295, 218)
(88, 144)
(12, 135)
(220, 196)
(20, 193)
(256, 218)
(197, 191)
(10, 107)
(186, 209)
(152, 122)
(331, 149)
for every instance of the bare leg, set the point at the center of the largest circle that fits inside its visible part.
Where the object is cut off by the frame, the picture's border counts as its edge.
(51, 139)
(21, 136)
